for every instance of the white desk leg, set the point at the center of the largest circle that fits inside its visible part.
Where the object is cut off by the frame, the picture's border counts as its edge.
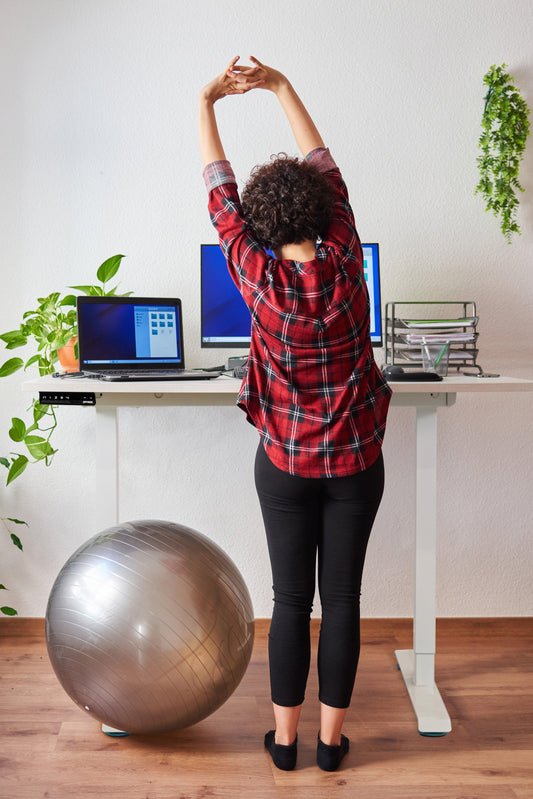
(107, 466)
(107, 486)
(418, 665)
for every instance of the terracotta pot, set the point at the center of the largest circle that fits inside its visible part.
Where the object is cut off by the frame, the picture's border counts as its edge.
(66, 356)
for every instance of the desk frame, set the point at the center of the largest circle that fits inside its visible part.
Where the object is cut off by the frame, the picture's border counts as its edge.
(417, 665)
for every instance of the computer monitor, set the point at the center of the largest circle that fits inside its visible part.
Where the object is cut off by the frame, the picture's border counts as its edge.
(225, 318)
(371, 272)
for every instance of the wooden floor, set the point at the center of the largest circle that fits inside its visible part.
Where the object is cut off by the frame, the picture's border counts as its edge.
(49, 748)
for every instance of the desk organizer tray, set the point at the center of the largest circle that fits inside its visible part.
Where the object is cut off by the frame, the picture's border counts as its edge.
(408, 324)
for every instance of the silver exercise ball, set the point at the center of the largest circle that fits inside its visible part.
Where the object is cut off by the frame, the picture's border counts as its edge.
(149, 627)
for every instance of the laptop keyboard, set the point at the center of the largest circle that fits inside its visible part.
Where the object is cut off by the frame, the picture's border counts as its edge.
(171, 374)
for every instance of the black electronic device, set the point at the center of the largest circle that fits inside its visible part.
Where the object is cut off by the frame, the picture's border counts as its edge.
(67, 398)
(133, 338)
(394, 373)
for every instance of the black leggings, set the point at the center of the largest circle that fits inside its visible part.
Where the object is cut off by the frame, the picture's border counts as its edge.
(305, 516)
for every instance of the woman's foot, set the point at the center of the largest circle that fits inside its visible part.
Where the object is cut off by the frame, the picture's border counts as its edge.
(328, 758)
(284, 757)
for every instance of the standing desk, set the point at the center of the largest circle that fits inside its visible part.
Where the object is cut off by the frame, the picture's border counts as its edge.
(417, 665)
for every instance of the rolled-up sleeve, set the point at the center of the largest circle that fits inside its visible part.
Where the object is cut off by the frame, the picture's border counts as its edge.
(217, 173)
(322, 159)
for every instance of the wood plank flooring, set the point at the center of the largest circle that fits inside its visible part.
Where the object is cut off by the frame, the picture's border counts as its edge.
(50, 748)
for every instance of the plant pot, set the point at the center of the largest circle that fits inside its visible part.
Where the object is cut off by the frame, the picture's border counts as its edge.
(67, 357)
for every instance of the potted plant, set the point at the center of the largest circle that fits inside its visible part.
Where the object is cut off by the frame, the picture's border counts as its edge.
(51, 327)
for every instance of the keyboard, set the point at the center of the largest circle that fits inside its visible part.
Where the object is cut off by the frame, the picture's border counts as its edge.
(123, 375)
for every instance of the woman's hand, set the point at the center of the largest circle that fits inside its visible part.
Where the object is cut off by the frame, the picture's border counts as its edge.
(234, 80)
(269, 78)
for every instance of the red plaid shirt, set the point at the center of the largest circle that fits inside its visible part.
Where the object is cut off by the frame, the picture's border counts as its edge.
(312, 388)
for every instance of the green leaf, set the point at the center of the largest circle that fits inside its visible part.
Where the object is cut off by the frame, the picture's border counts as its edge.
(38, 447)
(8, 611)
(69, 299)
(109, 268)
(9, 335)
(50, 302)
(13, 339)
(17, 542)
(11, 366)
(46, 367)
(91, 291)
(5, 462)
(61, 340)
(16, 521)
(39, 411)
(32, 360)
(18, 430)
(17, 467)
(2, 587)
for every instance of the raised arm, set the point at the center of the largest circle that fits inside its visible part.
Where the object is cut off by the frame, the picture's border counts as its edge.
(234, 80)
(237, 79)
(305, 132)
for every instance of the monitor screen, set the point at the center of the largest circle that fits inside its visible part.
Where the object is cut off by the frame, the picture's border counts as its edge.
(225, 318)
(371, 270)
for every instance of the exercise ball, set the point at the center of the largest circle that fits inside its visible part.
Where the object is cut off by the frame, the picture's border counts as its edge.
(149, 626)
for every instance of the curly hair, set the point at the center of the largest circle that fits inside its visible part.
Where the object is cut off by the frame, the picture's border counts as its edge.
(287, 201)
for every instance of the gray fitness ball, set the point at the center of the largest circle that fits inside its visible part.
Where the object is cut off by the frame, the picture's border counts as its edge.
(149, 627)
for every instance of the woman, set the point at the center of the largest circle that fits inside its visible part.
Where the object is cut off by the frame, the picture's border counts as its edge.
(315, 395)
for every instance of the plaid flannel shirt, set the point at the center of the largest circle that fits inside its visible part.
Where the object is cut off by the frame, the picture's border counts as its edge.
(311, 388)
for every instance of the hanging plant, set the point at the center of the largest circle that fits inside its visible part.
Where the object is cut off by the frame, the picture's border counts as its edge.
(505, 128)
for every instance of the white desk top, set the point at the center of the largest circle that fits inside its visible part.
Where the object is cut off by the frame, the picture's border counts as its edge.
(230, 385)
(222, 391)
(459, 383)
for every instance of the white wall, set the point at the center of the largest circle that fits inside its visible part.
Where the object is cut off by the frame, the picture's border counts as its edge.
(99, 156)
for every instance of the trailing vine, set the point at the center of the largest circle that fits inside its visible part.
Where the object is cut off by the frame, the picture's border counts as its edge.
(6, 523)
(505, 128)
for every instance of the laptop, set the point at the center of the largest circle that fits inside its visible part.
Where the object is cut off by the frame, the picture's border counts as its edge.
(133, 338)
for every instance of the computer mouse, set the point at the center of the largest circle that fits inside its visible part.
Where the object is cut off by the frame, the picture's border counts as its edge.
(392, 370)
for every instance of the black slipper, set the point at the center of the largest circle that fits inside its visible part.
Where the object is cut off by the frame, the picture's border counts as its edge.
(328, 758)
(284, 757)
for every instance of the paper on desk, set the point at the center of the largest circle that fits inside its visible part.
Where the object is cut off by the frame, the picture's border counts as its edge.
(439, 338)
(443, 324)
(453, 355)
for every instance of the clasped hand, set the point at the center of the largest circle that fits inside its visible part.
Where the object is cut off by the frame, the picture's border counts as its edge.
(237, 79)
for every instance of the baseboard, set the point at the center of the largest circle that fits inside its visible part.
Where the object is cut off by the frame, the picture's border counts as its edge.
(19, 626)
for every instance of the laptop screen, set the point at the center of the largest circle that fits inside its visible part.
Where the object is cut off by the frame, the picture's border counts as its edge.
(129, 332)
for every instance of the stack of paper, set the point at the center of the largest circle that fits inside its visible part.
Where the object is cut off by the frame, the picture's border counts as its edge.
(438, 338)
(461, 334)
